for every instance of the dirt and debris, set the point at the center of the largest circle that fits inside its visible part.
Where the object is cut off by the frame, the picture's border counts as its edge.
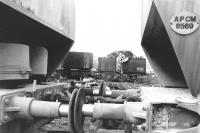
(59, 123)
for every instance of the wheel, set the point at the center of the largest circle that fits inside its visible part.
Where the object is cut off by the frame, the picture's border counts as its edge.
(78, 116)
(71, 111)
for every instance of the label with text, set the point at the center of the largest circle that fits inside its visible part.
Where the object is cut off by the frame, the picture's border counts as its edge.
(184, 22)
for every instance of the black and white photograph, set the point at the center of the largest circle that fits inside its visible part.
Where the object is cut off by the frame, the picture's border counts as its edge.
(99, 66)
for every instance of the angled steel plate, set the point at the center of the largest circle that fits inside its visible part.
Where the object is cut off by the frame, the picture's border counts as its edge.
(160, 53)
(35, 23)
(174, 56)
(186, 47)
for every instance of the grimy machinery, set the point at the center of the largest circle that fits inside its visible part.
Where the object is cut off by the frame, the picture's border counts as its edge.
(35, 36)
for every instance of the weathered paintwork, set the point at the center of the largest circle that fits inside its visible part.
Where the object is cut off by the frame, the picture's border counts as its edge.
(174, 57)
(49, 24)
(59, 14)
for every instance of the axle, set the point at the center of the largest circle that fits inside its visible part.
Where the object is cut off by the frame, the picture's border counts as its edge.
(29, 107)
(105, 91)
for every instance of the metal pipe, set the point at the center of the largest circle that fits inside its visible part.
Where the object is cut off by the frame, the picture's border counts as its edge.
(64, 110)
(88, 110)
(108, 111)
(116, 93)
(129, 111)
(108, 93)
(44, 109)
(29, 107)
(96, 92)
(23, 103)
(125, 93)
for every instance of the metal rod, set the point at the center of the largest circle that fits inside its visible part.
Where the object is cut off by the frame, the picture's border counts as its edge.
(44, 109)
(96, 92)
(108, 93)
(125, 93)
(29, 107)
(108, 111)
(129, 111)
(116, 93)
(64, 110)
(88, 110)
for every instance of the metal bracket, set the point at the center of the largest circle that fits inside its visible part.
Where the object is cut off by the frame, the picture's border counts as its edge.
(6, 110)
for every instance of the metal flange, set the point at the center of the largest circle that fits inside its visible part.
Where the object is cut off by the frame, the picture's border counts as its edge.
(71, 111)
(104, 90)
(78, 115)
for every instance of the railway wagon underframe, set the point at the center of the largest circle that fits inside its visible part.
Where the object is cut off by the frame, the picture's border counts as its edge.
(169, 38)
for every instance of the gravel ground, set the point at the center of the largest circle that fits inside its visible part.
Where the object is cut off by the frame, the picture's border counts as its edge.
(61, 124)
